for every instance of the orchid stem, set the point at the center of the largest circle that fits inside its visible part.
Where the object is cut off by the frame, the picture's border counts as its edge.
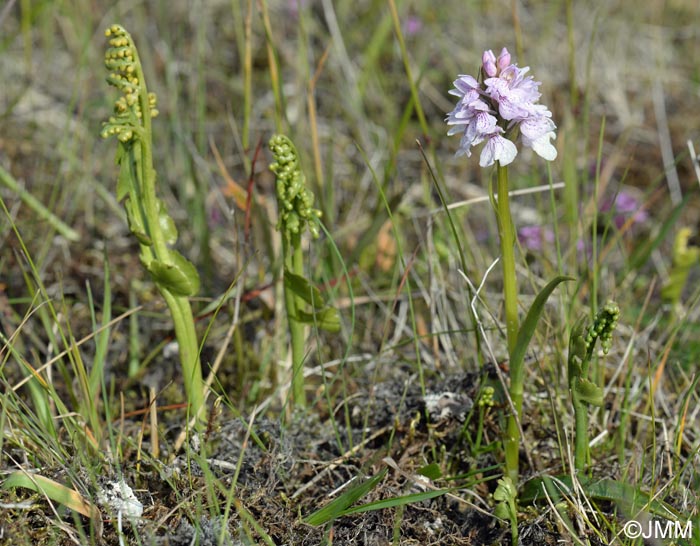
(510, 294)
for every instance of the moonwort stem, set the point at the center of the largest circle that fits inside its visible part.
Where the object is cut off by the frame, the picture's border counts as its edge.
(295, 264)
(581, 429)
(510, 295)
(183, 322)
(179, 306)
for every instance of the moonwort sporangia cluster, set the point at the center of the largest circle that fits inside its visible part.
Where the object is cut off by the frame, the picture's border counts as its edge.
(603, 327)
(122, 61)
(147, 215)
(497, 107)
(294, 197)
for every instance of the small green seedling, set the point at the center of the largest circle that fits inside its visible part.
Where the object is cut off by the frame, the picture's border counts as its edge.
(506, 494)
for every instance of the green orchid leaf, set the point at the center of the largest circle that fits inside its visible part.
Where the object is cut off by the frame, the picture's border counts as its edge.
(326, 319)
(396, 501)
(136, 225)
(588, 392)
(178, 276)
(302, 288)
(527, 329)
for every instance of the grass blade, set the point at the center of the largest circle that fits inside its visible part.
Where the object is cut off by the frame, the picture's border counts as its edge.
(627, 496)
(38, 207)
(55, 491)
(396, 501)
(338, 507)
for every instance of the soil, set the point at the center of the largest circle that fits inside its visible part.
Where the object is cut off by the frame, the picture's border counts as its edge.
(282, 473)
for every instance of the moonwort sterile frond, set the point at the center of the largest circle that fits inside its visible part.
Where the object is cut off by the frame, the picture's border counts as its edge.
(498, 107)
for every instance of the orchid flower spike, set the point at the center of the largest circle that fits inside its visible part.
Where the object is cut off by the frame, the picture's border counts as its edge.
(498, 109)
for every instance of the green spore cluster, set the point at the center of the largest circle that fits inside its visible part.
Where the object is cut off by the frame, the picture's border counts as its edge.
(603, 327)
(126, 74)
(486, 398)
(294, 197)
(130, 122)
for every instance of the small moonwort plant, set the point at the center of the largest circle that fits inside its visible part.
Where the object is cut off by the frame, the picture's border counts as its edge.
(296, 214)
(495, 110)
(506, 495)
(149, 221)
(583, 391)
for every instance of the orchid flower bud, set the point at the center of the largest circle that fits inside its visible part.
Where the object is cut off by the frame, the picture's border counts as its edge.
(488, 59)
(503, 59)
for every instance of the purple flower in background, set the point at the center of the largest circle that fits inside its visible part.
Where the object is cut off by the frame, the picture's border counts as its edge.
(293, 7)
(412, 25)
(533, 237)
(624, 205)
(493, 111)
